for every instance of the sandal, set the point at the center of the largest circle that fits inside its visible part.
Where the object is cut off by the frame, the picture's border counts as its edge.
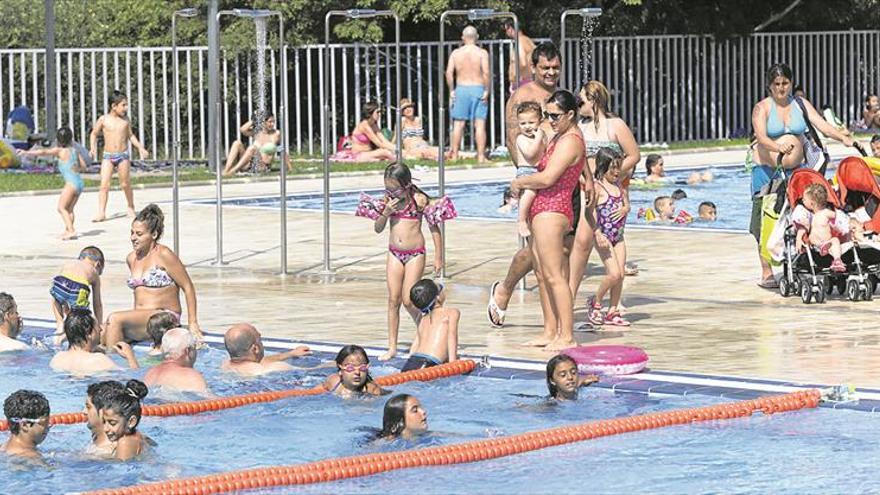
(493, 308)
(613, 318)
(837, 266)
(631, 269)
(594, 312)
(769, 283)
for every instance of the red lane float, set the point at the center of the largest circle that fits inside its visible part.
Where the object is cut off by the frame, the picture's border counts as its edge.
(608, 359)
(365, 465)
(196, 407)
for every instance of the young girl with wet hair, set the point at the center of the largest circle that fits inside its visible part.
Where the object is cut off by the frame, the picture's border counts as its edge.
(70, 164)
(610, 197)
(96, 394)
(121, 414)
(403, 417)
(353, 376)
(563, 380)
(405, 205)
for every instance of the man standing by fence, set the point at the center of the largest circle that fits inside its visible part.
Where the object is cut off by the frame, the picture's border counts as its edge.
(468, 78)
(526, 45)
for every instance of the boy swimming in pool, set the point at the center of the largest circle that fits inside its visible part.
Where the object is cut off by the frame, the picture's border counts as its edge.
(70, 289)
(27, 413)
(436, 339)
(266, 139)
(707, 211)
(117, 132)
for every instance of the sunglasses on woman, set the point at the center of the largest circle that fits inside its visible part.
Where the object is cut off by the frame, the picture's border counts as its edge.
(553, 117)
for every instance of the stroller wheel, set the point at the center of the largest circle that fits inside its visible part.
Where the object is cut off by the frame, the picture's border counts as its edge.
(841, 285)
(868, 293)
(806, 293)
(852, 290)
(785, 288)
(827, 285)
(821, 289)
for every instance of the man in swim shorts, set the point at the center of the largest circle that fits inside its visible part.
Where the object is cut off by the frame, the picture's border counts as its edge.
(468, 78)
(526, 46)
(247, 356)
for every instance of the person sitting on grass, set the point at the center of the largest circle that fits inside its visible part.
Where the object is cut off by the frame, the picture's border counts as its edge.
(247, 356)
(82, 356)
(436, 339)
(266, 139)
(27, 413)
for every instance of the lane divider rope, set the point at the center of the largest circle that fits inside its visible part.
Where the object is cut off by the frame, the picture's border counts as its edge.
(369, 464)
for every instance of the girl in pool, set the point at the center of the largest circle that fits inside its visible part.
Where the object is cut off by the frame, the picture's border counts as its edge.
(96, 395)
(354, 375)
(121, 414)
(609, 237)
(69, 166)
(403, 417)
(157, 277)
(405, 204)
(563, 380)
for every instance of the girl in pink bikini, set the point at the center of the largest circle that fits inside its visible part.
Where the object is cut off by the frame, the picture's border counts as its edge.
(405, 204)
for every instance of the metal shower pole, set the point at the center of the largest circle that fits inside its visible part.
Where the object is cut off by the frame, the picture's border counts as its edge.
(325, 115)
(585, 12)
(473, 15)
(254, 14)
(175, 126)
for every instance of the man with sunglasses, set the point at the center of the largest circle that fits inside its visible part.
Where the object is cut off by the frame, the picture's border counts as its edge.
(247, 356)
(546, 68)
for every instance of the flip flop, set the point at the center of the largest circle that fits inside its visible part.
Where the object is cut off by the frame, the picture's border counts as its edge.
(631, 269)
(769, 283)
(493, 307)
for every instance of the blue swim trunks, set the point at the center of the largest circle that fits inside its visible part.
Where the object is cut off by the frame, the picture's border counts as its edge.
(523, 171)
(116, 158)
(70, 293)
(468, 104)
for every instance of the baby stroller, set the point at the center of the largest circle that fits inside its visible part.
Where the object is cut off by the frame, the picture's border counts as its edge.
(809, 273)
(859, 189)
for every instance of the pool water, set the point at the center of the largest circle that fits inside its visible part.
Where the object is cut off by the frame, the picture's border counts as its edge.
(808, 451)
(729, 191)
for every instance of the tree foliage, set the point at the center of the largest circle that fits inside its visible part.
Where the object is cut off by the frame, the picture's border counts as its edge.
(107, 23)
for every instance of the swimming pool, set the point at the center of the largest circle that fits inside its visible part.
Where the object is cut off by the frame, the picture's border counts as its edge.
(729, 191)
(799, 452)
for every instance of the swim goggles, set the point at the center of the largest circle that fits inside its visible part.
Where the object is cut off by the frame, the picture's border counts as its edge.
(349, 368)
(430, 307)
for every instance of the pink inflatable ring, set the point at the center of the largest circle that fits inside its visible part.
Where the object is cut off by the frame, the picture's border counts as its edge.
(608, 359)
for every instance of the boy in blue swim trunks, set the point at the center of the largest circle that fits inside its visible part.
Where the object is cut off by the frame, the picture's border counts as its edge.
(468, 78)
(71, 288)
(117, 132)
(436, 339)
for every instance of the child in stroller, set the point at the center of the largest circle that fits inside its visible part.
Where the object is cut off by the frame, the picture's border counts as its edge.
(825, 227)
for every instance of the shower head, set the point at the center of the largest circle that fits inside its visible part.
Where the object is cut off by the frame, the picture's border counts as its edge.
(361, 13)
(591, 12)
(253, 14)
(476, 14)
(188, 12)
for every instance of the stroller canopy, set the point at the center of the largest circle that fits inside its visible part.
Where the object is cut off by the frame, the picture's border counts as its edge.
(854, 176)
(803, 177)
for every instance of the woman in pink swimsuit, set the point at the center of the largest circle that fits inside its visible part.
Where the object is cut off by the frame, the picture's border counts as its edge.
(551, 218)
(367, 142)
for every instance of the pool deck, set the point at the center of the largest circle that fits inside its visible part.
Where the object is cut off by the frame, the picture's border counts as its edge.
(694, 305)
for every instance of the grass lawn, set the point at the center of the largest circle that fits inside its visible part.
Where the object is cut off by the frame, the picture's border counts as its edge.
(15, 182)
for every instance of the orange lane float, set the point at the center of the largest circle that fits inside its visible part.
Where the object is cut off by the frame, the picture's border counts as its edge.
(369, 464)
(196, 407)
